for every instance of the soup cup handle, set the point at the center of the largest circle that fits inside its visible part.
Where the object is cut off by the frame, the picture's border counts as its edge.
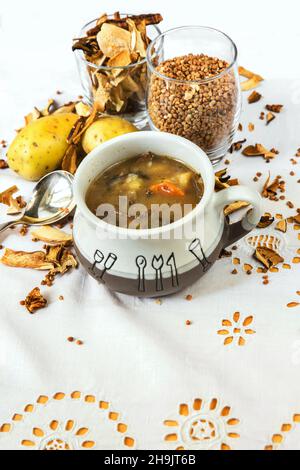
(250, 220)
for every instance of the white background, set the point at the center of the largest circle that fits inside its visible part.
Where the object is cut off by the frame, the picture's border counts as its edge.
(36, 38)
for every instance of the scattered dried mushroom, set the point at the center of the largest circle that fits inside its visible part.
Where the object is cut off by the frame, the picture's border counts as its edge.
(55, 259)
(281, 226)
(51, 236)
(234, 207)
(270, 190)
(118, 43)
(236, 146)
(224, 181)
(265, 221)
(15, 205)
(274, 108)
(268, 257)
(270, 117)
(253, 80)
(259, 150)
(254, 97)
(34, 301)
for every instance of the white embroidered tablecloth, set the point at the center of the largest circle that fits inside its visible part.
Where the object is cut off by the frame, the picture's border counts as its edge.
(143, 378)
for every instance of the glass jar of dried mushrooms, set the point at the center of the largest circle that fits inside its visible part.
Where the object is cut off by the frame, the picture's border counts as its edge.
(195, 93)
(111, 59)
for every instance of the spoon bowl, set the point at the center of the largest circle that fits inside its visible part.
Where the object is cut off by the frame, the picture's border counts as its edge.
(52, 200)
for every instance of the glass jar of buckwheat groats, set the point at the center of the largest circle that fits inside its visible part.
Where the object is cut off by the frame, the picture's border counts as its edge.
(193, 88)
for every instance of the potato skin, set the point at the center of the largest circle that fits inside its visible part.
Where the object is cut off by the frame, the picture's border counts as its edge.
(104, 129)
(39, 148)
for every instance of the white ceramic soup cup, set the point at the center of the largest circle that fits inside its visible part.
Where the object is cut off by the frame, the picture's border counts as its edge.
(164, 260)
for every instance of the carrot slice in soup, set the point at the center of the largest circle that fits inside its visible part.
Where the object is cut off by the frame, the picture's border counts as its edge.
(166, 187)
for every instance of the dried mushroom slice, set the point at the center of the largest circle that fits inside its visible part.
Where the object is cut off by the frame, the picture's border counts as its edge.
(69, 162)
(254, 97)
(270, 117)
(34, 301)
(221, 180)
(268, 257)
(258, 150)
(265, 221)
(236, 146)
(274, 108)
(138, 43)
(253, 79)
(282, 226)
(148, 19)
(67, 262)
(233, 182)
(63, 260)
(296, 219)
(248, 74)
(101, 90)
(121, 59)
(250, 84)
(112, 40)
(270, 190)
(22, 259)
(51, 235)
(236, 206)
(252, 151)
(15, 205)
(82, 109)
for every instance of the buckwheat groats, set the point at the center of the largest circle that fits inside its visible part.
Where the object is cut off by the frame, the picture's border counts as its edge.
(197, 99)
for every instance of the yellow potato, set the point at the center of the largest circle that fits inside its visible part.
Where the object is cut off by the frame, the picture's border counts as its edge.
(105, 129)
(40, 147)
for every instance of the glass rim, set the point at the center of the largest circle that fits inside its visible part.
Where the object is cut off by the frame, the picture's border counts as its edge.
(161, 37)
(105, 67)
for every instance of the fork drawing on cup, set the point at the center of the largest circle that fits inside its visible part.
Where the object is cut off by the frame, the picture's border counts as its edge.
(157, 265)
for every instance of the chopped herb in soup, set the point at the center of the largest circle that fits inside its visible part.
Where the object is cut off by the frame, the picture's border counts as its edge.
(151, 181)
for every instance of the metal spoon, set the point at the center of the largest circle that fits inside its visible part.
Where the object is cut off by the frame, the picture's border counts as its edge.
(52, 200)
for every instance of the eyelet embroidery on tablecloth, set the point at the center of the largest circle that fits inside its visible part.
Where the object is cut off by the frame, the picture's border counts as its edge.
(244, 261)
(202, 426)
(44, 425)
(279, 438)
(236, 329)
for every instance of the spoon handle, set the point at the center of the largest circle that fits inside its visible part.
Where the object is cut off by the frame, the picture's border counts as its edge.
(6, 225)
